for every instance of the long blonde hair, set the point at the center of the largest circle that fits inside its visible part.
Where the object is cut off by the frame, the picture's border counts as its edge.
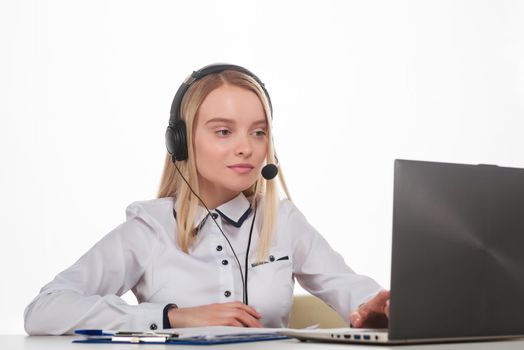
(172, 185)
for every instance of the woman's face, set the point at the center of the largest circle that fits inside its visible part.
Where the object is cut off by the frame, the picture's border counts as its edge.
(230, 142)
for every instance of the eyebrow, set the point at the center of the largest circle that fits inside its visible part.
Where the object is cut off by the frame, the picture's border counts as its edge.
(231, 121)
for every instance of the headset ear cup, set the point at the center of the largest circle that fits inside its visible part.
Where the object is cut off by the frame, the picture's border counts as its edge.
(176, 140)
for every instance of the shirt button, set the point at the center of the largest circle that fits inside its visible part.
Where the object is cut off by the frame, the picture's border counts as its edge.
(227, 294)
(271, 258)
(219, 248)
(214, 215)
(224, 262)
(153, 326)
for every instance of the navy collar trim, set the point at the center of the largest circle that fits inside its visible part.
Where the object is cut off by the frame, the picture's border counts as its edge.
(227, 219)
(240, 220)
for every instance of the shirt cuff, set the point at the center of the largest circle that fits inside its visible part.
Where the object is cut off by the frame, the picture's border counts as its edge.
(149, 317)
(165, 317)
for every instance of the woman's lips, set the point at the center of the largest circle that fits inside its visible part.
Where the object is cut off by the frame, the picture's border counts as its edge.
(241, 168)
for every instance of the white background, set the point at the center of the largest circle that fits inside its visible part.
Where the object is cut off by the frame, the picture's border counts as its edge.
(86, 86)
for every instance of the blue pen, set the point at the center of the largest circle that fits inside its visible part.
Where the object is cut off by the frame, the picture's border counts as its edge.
(93, 332)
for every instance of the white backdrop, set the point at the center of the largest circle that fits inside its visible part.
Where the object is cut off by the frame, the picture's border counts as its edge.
(86, 88)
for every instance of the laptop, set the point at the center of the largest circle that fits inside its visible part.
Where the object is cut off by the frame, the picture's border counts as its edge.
(457, 269)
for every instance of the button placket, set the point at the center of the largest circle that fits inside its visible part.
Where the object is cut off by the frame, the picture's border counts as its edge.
(226, 270)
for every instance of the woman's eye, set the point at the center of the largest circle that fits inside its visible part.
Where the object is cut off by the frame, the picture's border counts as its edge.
(260, 133)
(222, 132)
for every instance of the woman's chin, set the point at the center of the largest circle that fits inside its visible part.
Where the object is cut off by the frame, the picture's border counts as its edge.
(241, 187)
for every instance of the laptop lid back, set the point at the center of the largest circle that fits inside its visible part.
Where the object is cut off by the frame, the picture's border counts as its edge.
(458, 251)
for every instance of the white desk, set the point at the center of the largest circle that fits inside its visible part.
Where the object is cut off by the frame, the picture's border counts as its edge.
(16, 342)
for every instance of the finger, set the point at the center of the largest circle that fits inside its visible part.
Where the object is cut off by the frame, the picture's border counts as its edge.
(232, 309)
(246, 308)
(250, 310)
(229, 322)
(355, 319)
(384, 295)
(376, 304)
(246, 319)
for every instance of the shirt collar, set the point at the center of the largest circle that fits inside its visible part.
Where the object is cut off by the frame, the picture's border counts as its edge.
(234, 212)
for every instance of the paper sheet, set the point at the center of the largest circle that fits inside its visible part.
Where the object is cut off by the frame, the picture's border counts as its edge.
(218, 331)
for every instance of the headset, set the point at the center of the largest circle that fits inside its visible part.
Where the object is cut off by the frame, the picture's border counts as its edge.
(176, 143)
(176, 137)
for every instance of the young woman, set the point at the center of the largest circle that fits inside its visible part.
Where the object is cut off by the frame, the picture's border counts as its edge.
(218, 246)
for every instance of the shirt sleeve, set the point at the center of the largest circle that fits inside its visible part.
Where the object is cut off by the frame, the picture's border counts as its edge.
(87, 294)
(323, 272)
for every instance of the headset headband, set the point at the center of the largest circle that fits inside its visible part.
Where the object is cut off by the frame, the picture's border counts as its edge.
(174, 115)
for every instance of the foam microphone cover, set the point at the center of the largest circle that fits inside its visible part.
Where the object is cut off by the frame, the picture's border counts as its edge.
(269, 171)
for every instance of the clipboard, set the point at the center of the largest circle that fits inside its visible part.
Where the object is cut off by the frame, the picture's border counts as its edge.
(96, 336)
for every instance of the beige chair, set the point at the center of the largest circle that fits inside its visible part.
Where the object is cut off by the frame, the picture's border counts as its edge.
(309, 310)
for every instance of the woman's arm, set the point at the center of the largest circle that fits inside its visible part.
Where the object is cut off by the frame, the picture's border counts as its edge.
(323, 272)
(87, 294)
(220, 314)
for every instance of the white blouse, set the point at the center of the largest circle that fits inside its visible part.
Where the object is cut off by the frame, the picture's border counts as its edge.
(141, 254)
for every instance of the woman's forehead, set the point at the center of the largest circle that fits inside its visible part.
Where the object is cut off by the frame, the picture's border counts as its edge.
(233, 104)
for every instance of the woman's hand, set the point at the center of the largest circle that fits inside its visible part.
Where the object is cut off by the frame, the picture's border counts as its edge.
(226, 314)
(373, 314)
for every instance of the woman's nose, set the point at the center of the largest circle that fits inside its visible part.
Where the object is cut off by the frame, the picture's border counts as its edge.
(243, 146)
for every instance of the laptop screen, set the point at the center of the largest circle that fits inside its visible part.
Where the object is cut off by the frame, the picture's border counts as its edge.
(458, 251)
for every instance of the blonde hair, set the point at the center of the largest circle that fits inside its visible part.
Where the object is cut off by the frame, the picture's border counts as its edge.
(172, 185)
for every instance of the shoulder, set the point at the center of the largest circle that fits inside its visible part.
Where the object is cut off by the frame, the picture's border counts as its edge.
(154, 215)
(152, 207)
(288, 210)
(288, 218)
(291, 222)
(158, 210)
(284, 209)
